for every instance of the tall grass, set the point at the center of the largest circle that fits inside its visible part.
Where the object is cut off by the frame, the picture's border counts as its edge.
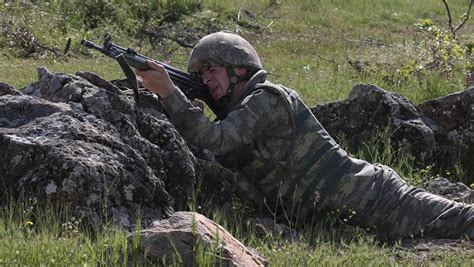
(47, 234)
(42, 239)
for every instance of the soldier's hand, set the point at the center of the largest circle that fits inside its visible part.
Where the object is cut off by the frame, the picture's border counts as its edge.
(156, 79)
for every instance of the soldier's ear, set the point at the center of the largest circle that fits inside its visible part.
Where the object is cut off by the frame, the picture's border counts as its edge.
(240, 71)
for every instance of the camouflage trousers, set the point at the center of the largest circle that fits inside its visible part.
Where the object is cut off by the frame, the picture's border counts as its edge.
(394, 209)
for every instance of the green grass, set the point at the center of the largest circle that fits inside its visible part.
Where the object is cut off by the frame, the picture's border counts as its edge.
(35, 235)
(306, 47)
(304, 44)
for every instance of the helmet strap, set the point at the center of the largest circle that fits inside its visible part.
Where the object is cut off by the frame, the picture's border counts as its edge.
(223, 102)
(233, 80)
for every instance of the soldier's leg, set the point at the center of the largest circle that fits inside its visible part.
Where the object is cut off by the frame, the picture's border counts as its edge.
(385, 203)
(399, 210)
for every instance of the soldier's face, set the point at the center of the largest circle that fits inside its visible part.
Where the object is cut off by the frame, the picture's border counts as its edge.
(217, 80)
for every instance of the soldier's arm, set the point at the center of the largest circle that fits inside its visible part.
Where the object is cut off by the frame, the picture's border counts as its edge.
(247, 122)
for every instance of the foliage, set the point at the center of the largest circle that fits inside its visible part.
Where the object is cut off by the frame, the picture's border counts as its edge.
(23, 31)
(126, 15)
(440, 47)
(437, 52)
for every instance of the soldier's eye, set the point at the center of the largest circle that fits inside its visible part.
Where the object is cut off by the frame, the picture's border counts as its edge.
(203, 70)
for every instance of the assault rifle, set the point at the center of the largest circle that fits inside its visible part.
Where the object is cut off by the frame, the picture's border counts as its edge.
(190, 85)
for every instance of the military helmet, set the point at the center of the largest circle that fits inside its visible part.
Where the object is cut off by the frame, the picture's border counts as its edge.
(223, 49)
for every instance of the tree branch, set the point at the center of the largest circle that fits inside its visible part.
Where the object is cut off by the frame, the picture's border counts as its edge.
(450, 20)
(466, 17)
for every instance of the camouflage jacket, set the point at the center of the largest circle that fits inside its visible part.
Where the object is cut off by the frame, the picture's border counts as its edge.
(282, 153)
(288, 163)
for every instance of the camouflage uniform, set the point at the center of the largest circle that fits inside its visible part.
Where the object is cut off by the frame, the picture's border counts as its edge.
(287, 162)
(286, 159)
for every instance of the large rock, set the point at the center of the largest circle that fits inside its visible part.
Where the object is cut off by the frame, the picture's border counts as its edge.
(186, 232)
(452, 120)
(80, 140)
(455, 191)
(438, 131)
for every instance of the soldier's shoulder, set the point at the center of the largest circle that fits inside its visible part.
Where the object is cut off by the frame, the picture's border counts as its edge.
(273, 88)
(267, 86)
(265, 95)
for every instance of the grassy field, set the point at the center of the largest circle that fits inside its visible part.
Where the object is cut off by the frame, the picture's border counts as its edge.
(321, 48)
(306, 45)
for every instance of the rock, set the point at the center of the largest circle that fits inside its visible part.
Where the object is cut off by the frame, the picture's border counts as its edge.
(455, 191)
(186, 232)
(452, 120)
(80, 140)
(6, 89)
(436, 132)
(368, 111)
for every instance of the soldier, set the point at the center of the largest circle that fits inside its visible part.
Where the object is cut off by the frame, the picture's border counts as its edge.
(285, 159)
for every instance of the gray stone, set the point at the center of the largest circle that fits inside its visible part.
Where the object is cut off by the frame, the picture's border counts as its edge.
(452, 120)
(455, 191)
(186, 232)
(80, 140)
(438, 132)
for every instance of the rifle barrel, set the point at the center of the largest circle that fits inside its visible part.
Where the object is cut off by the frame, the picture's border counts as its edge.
(91, 45)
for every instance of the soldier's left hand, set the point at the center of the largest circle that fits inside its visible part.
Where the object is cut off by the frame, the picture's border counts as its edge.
(156, 79)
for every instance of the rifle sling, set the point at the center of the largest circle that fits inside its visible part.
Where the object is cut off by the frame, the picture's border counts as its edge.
(130, 74)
